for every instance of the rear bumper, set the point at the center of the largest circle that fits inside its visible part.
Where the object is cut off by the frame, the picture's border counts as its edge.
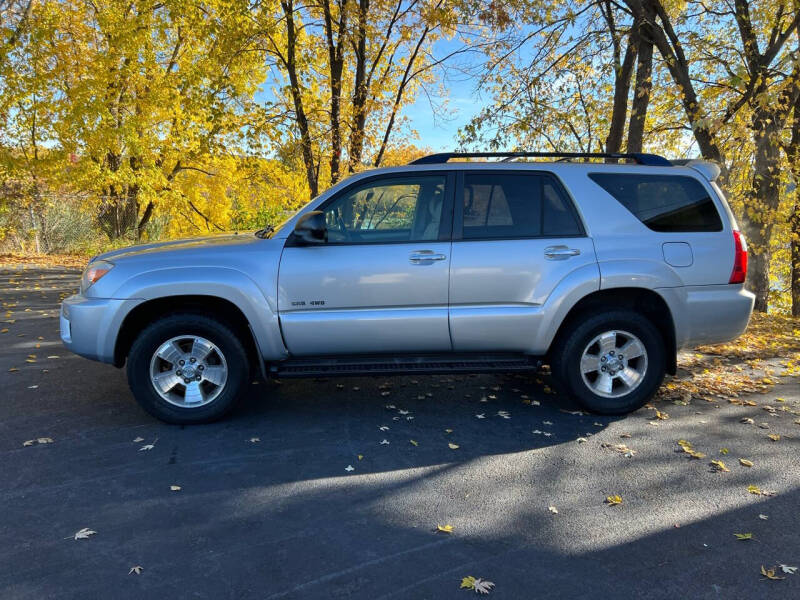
(709, 314)
(89, 326)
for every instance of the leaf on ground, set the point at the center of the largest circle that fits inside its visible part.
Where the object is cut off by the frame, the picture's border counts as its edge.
(349, 468)
(763, 517)
(147, 447)
(453, 446)
(774, 437)
(661, 415)
(723, 451)
(414, 442)
(754, 489)
(581, 440)
(137, 570)
(745, 463)
(747, 421)
(138, 439)
(84, 533)
(480, 586)
(770, 573)
(743, 536)
(175, 488)
(719, 465)
(553, 509)
(44, 440)
(444, 528)
(360, 457)
(788, 569)
(613, 500)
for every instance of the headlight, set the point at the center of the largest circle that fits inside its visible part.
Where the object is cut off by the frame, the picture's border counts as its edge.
(94, 272)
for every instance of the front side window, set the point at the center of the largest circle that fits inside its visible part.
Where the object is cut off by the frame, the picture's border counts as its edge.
(402, 209)
(516, 205)
(666, 203)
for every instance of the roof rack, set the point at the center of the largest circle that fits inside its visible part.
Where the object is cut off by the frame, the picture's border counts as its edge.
(650, 160)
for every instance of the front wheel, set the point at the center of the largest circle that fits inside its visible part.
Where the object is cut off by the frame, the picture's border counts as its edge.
(187, 368)
(611, 363)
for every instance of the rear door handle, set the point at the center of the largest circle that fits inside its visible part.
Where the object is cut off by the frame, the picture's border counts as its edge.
(422, 257)
(560, 252)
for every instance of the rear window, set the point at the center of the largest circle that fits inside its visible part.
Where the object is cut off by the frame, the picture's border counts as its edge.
(663, 202)
(516, 205)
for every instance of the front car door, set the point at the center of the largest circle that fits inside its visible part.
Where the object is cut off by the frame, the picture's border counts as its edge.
(380, 283)
(516, 236)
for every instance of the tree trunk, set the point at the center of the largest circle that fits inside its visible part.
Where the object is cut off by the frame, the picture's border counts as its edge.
(622, 79)
(297, 98)
(359, 89)
(795, 254)
(641, 89)
(336, 66)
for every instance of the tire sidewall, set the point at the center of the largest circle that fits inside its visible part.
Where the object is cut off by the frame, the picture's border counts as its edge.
(576, 342)
(166, 328)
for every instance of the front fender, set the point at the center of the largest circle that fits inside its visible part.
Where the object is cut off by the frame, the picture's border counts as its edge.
(258, 305)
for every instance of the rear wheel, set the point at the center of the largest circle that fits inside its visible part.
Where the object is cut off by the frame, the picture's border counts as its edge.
(610, 363)
(187, 368)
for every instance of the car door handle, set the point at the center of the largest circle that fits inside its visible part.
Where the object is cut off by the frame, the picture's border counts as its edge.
(560, 252)
(424, 257)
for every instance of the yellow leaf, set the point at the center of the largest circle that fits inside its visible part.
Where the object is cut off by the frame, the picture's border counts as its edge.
(453, 446)
(613, 500)
(360, 456)
(770, 573)
(745, 463)
(469, 582)
(414, 442)
(444, 528)
(774, 437)
(743, 536)
(719, 465)
(723, 450)
(175, 488)
(754, 489)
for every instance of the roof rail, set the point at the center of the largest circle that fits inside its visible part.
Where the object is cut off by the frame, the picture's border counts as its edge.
(650, 160)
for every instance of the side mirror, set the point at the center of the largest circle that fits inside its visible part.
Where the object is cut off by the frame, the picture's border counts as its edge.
(311, 228)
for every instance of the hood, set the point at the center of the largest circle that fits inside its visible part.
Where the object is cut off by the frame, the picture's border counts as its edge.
(214, 241)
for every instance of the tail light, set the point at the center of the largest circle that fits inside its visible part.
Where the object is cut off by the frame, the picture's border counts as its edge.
(739, 259)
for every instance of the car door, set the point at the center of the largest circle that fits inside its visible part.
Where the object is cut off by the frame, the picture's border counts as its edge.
(516, 236)
(380, 282)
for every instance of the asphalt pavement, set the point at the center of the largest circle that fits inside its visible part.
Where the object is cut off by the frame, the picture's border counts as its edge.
(334, 489)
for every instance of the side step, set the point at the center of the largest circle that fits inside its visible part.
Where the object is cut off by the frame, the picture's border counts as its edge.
(398, 365)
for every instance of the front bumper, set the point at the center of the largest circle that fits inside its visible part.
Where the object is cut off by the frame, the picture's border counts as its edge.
(89, 326)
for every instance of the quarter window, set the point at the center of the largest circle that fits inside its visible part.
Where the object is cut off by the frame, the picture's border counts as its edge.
(403, 209)
(668, 203)
(516, 205)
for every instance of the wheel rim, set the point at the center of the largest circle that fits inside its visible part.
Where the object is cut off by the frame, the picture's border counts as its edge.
(614, 364)
(188, 371)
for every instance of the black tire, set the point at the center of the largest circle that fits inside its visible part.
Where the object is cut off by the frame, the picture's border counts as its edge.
(566, 355)
(180, 324)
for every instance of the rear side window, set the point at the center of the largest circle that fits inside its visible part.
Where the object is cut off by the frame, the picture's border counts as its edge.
(516, 205)
(663, 202)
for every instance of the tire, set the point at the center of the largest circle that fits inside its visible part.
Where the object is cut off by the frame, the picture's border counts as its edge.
(634, 379)
(212, 354)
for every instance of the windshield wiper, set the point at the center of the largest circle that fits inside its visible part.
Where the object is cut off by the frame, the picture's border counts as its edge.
(265, 232)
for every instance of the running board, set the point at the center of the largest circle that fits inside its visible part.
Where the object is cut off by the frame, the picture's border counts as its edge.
(400, 365)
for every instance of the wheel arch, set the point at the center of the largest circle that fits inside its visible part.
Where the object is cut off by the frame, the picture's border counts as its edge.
(151, 310)
(642, 300)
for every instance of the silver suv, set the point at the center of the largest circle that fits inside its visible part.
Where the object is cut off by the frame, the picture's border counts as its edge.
(602, 269)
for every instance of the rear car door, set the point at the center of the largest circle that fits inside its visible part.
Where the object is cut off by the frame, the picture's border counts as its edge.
(516, 235)
(380, 283)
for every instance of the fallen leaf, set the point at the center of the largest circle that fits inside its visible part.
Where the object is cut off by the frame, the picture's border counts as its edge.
(613, 500)
(774, 437)
(448, 431)
(723, 451)
(44, 440)
(481, 416)
(453, 446)
(360, 457)
(581, 440)
(384, 442)
(28, 442)
(661, 415)
(770, 574)
(254, 440)
(747, 421)
(788, 569)
(414, 442)
(175, 488)
(719, 465)
(553, 509)
(481, 586)
(745, 463)
(743, 536)
(349, 468)
(444, 528)
(147, 447)
(137, 570)
(763, 517)
(84, 533)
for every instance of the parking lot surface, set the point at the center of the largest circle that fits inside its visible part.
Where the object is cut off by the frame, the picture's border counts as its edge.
(335, 488)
